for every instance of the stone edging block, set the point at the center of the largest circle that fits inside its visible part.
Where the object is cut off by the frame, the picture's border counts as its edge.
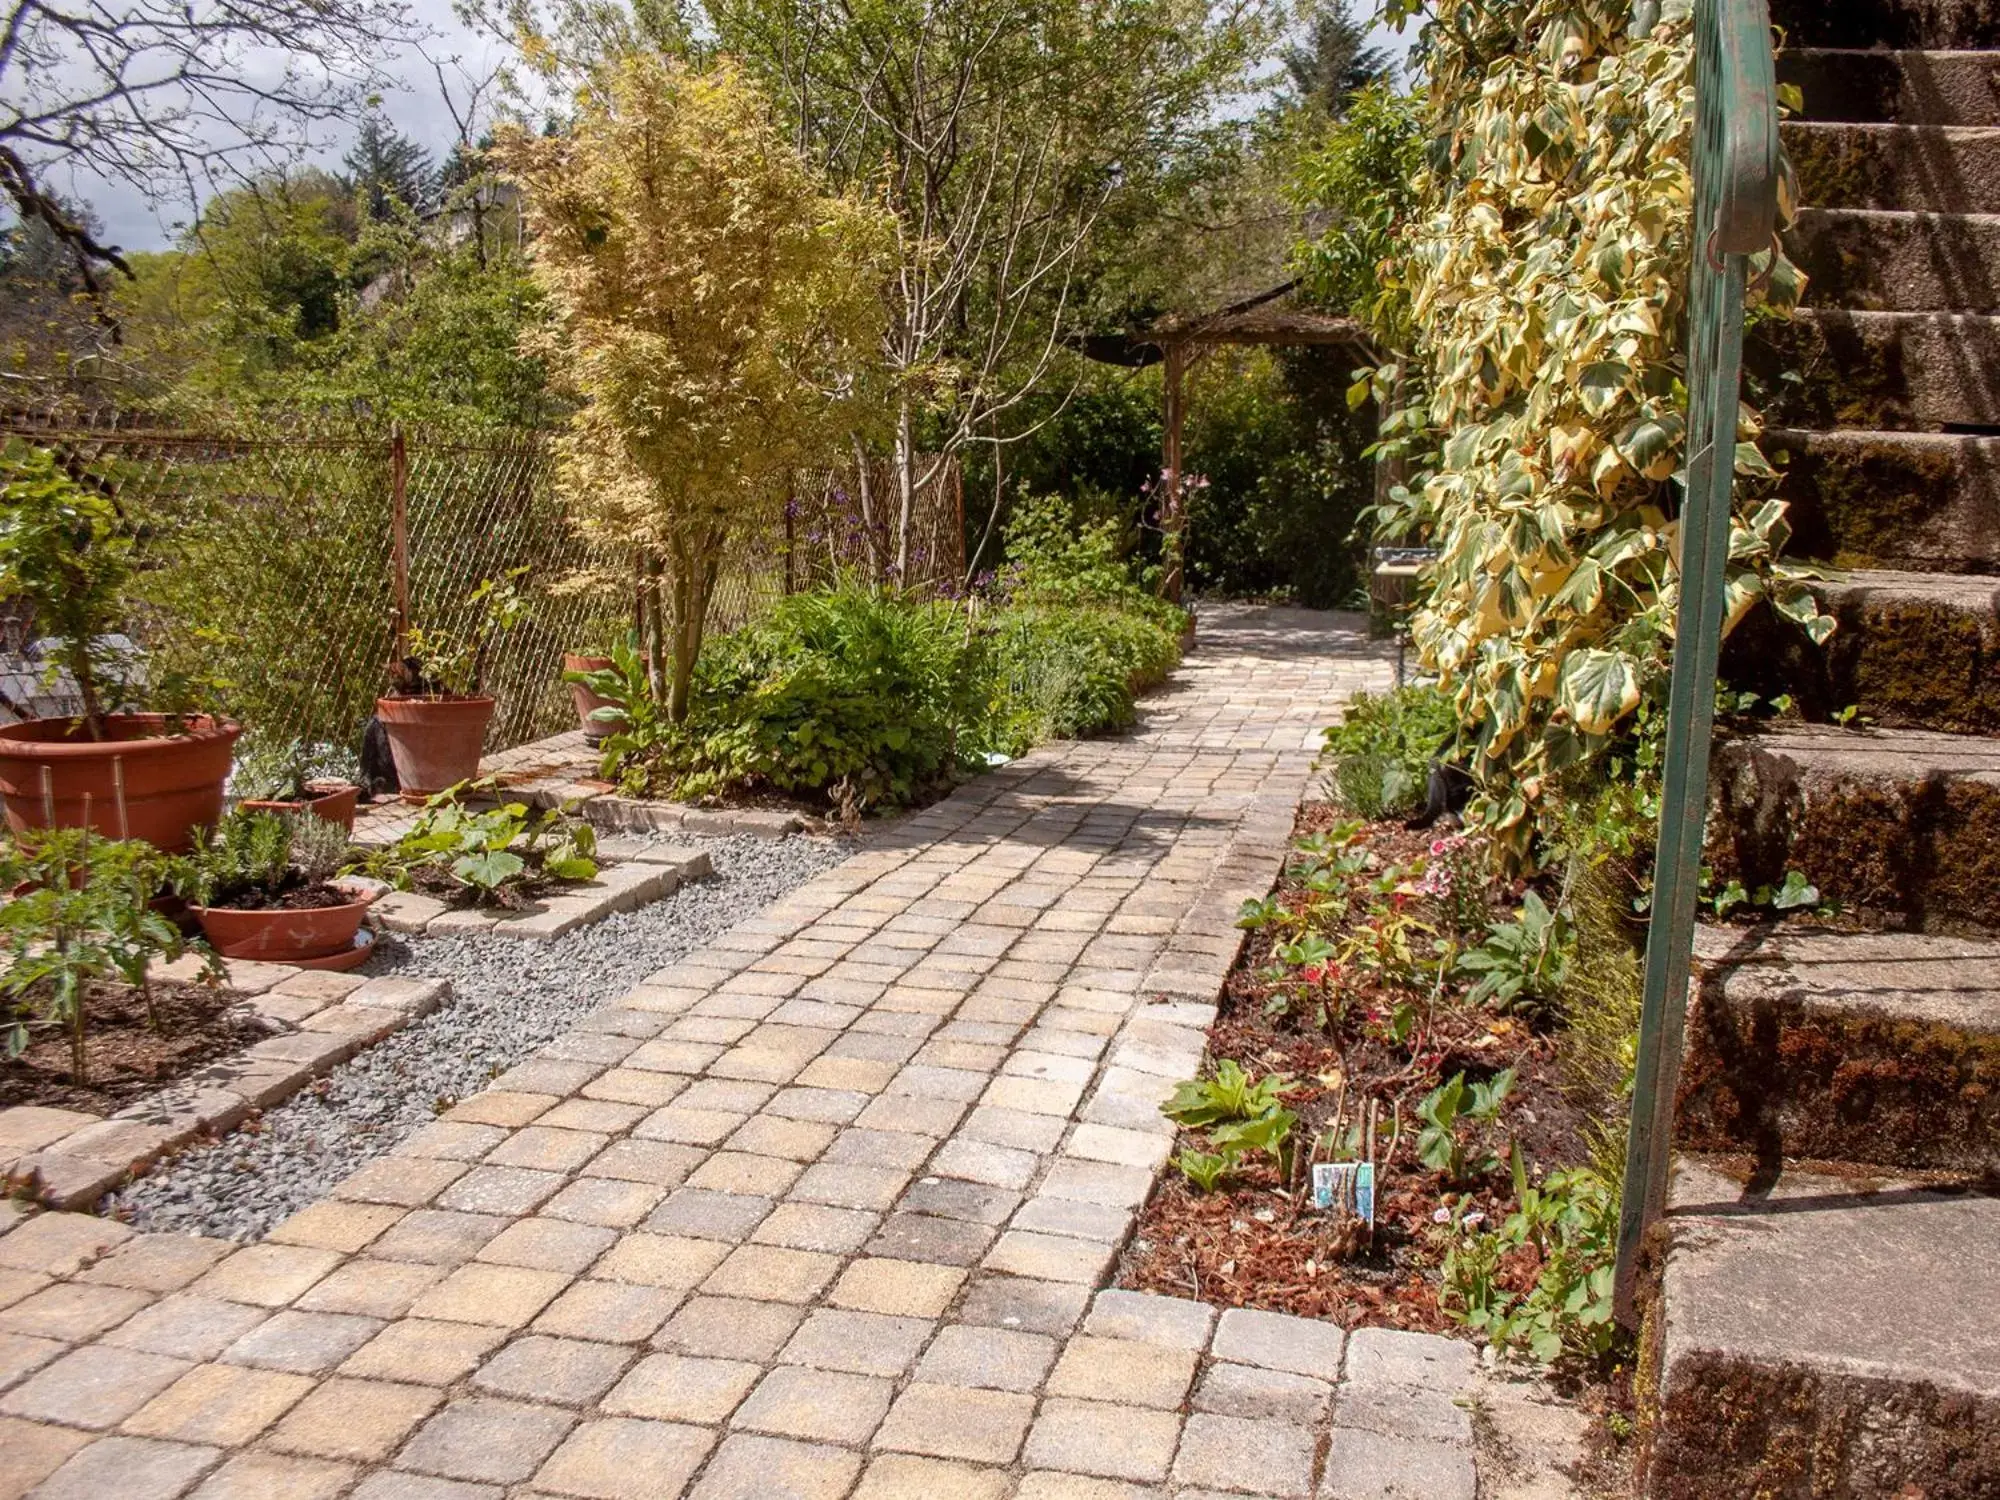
(77, 1158)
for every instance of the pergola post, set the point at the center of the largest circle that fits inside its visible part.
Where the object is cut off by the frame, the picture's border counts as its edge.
(1173, 509)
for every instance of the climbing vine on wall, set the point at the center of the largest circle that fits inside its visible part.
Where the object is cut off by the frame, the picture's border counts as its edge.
(1547, 268)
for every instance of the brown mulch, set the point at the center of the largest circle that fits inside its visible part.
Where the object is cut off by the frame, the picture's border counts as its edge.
(125, 1058)
(1257, 1242)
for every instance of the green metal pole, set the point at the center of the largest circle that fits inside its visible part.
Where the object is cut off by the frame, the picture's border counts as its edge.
(1735, 179)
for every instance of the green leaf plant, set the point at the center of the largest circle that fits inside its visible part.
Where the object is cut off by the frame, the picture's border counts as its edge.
(81, 915)
(1241, 1114)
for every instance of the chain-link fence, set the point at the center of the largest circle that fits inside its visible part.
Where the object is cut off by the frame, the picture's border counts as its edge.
(271, 559)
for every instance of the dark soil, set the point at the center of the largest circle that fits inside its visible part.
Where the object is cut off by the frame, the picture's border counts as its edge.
(301, 898)
(1259, 1242)
(438, 881)
(125, 1058)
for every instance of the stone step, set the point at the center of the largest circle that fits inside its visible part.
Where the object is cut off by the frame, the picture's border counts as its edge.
(1913, 651)
(1903, 371)
(1870, 1047)
(1952, 169)
(1877, 260)
(1888, 23)
(1901, 826)
(1827, 1335)
(1908, 88)
(1866, 499)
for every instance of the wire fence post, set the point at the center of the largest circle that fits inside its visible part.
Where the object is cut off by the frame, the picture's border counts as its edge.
(791, 541)
(399, 534)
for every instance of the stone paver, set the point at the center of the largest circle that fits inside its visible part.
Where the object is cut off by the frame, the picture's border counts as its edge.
(822, 1209)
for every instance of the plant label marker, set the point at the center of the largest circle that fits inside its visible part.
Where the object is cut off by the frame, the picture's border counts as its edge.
(1345, 1189)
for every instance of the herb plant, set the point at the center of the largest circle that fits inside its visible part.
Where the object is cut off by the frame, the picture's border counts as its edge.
(1379, 755)
(1571, 1223)
(279, 770)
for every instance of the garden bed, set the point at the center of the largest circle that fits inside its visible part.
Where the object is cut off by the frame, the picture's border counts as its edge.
(127, 1055)
(222, 1053)
(1366, 1018)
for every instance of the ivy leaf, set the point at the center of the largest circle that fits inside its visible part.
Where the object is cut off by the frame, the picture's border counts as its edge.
(1797, 604)
(1597, 689)
(1600, 385)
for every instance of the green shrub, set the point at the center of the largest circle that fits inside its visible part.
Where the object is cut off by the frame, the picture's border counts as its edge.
(869, 698)
(1381, 751)
(1061, 672)
(1570, 1224)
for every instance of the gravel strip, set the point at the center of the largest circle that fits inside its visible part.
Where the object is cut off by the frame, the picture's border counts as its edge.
(509, 997)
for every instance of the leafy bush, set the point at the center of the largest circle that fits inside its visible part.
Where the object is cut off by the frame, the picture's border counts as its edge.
(1570, 1226)
(1055, 557)
(1240, 1114)
(1381, 751)
(868, 697)
(81, 915)
(1522, 964)
(485, 856)
(1061, 672)
(1547, 263)
(65, 557)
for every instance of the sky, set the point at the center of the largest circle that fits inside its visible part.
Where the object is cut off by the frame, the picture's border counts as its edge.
(132, 223)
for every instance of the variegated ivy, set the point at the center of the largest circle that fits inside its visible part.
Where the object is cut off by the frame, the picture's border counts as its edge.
(1548, 279)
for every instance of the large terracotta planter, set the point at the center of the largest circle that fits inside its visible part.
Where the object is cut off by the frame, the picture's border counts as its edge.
(171, 783)
(333, 801)
(284, 936)
(436, 742)
(585, 700)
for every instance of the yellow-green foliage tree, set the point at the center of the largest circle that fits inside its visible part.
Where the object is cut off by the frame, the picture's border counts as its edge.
(1548, 269)
(714, 308)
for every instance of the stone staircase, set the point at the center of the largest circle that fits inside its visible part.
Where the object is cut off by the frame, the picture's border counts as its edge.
(1828, 1320)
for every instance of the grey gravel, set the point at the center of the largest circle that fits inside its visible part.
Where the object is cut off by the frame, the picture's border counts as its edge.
(509, 997)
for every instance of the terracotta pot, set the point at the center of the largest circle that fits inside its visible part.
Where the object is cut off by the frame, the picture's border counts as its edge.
(331, 800)
(172, 783)
(283, 936)
(586, 701)
(436, 742)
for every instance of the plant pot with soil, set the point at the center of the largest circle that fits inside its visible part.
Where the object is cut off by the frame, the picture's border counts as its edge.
(437, 710)
(291, 777)
(578, 669)
(262, 886)
(65, 558)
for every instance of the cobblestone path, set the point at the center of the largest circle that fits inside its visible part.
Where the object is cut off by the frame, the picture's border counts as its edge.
(820, 1211)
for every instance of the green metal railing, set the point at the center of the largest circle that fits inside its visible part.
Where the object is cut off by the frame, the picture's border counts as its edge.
(1736, 167)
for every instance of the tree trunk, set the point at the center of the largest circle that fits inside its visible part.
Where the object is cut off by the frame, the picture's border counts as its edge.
(906, 485)
(653, 626)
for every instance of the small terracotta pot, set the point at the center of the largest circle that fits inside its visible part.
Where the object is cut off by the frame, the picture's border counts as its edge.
(172, 783)
(436, 742)
(283, 936)
(585, 700)
(332, 801)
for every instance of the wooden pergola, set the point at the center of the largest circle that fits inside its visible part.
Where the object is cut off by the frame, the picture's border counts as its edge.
(1180, 341)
